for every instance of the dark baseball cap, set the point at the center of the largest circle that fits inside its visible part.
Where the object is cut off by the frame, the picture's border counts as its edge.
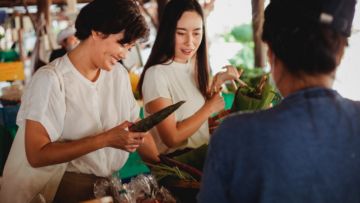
(337, 14)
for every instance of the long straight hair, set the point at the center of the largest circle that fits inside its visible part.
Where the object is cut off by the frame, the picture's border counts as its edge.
(164, 46)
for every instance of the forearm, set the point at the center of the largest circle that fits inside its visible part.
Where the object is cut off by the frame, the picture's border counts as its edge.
(60, 152)
(186, 128)
(148, 150)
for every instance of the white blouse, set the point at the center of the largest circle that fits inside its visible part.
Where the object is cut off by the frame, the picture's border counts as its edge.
(86, 109)
(176, 81)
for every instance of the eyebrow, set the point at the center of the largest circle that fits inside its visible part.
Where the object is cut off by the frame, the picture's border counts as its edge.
(184, 29)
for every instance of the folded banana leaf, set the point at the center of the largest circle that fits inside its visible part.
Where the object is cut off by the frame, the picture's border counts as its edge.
(149, 122)
(250, 98)
(194, 157)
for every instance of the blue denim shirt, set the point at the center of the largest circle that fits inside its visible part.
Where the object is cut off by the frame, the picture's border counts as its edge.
(306, 149)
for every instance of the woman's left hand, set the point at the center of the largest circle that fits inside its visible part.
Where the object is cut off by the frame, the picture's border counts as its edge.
(231, 73)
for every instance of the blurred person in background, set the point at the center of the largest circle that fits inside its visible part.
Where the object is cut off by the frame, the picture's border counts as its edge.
(67, 40)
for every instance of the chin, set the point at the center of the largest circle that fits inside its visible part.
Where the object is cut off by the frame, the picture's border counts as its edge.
(108, 67)
(185, 59)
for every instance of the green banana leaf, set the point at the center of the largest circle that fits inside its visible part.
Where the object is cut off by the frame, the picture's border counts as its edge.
(246, 98)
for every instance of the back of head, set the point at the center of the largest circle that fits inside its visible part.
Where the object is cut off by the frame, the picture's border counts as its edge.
(111, 17)
(65, 33)
(308, 35)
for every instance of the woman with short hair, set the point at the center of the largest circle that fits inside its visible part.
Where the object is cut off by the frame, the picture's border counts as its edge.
(75, 113)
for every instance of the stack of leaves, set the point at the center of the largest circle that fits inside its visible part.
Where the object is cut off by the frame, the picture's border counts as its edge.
(185, 167)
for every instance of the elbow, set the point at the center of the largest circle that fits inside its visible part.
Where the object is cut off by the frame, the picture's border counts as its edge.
(171, 143)
(34, 162)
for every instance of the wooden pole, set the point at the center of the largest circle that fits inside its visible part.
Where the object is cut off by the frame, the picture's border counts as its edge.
(44, 8)
(257, 23)
(71, 6)
(20, 38)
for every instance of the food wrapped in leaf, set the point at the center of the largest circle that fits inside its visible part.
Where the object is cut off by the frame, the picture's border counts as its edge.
(149, 122)
(248, 98)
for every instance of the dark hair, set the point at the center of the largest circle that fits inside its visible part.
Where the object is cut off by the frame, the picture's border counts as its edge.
(303, 44)
(164, 45)
(112, 17)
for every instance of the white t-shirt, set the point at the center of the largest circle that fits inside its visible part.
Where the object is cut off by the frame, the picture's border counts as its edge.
(88, 108)
(176, 81)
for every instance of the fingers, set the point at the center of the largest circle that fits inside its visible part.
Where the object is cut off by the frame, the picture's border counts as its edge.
(138, 135)
(136, 138)
(125, 124)
(135, 141)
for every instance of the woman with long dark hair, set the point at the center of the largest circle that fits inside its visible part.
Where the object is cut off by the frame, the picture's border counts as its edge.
(306, 149)
(75, 113)
(178, 69)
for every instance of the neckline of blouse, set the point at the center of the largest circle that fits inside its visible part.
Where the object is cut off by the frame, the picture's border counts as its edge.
(81, 76)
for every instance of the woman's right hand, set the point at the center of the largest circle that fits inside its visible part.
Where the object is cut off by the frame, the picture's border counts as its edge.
(215, 104)
(119, 137)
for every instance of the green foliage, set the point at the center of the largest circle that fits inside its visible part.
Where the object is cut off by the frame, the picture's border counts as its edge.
(161, 171)
(245, 57)
(241, 33)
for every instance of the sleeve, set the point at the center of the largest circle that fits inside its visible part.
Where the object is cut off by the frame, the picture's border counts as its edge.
(133, 105)
(155, 85)
(213, 187)
(44, 102)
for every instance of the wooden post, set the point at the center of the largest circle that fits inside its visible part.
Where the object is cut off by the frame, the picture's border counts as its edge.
(71, 6)
(43, 7)
(43, 12)
(20, 38)
(257, 23)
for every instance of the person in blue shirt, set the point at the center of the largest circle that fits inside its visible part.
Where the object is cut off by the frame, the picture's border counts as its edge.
(306, 149)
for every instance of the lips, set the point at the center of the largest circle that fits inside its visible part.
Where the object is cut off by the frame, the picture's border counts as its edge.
(186, 51)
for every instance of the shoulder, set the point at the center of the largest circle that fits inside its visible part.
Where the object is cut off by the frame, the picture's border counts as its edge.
(156, 72)
(45, 74)
(50, 75)
(351, 107)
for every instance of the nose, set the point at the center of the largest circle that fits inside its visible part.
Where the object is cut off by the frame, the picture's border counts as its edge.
(189, 39)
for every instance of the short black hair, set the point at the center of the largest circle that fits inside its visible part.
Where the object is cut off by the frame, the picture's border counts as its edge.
(294, 32)
(112, 17)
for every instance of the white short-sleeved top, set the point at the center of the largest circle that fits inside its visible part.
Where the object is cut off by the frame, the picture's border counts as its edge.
(90, 108)
(176, 81)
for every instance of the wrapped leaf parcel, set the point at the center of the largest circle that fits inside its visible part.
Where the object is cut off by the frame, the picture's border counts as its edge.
(149, 122)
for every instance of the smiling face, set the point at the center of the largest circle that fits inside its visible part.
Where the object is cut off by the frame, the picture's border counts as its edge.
(109, 50)
(188, 36)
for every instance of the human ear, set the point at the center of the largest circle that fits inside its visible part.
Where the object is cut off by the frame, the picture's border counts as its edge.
(97, 35)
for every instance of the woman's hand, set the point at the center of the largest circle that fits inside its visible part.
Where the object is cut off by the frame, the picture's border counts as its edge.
(119, 137)
(215, 104)
(231, 73)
